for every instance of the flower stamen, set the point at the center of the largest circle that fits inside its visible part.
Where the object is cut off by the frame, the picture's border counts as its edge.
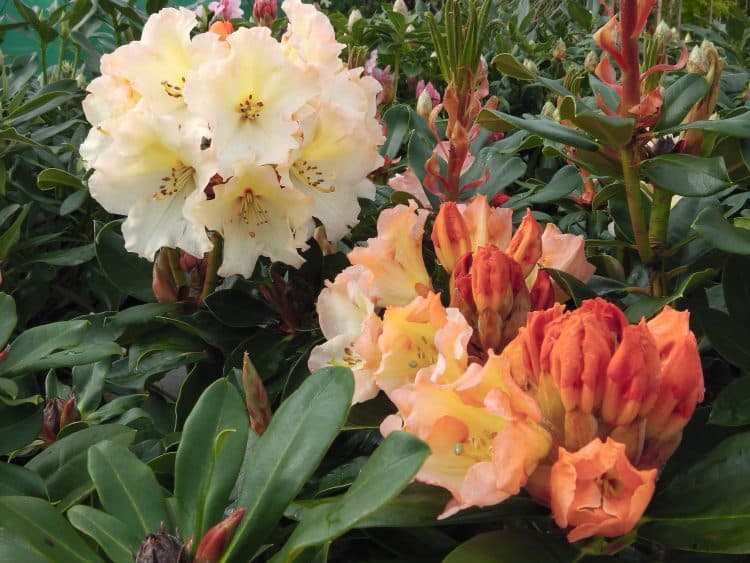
(252, 212)
(311, 176)
(172, 90)
(178, 176)
(250, 109)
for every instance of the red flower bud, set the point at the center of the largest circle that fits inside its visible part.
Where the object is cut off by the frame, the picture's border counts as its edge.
(217, 538)
(256, 398)
(265, 12)
(450, 236)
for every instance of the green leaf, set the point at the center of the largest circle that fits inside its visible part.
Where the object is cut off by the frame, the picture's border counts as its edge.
(565, 181)
(735, 287)
(612, 131)
(687, 175)
(237, 309)
(504, 546)
(499, 121)
(10, 237)
(209, 458)
(127, 271)
(679, 98)
(51, 178)
(717, 231)
(390, 468)
(727, 336)
(732, 406)
(16, 480)
(19, 426)
(127, 488)
(508, 65)
(647, 306)
(35, 523)
(109, 533)
(8, 318)
(63, 465)
(67, 256)
(397, 119)
(10, 134)
(37, 106)
(574, 287)
(287, 454)
(706, 507)
(737, 126)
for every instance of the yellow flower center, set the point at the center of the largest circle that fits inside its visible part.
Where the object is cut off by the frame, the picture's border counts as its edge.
(177, 178)
(173, 90)
(310, 175)
(252, 211)
(250, 109)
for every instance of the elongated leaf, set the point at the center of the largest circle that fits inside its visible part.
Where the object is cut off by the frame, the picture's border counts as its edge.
(8, 318)
(127, 488)
(679, 98)
(209, 458)
(114, 537)
(36, 523)
(10, 237)
(732, 406)
(499, 121)
(504, 546)
(707, 507)
(19, 426)
(67, 256)
(37, 106)
(54, 177)
(508, 65)
(10, 134)
(397, 119)
(687, 175)
(720, 233)
(127, 271)
(737, 126)
(727, 335)
(386, 473)
(16, 480)
(613, 131)
(63, 465)
(735, 287)
(286, 455)
(565, 181)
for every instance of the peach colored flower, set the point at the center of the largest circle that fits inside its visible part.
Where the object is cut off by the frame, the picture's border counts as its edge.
(395, 256)
(597, 491)
(565, 252)
(410, 184)
(482, 431)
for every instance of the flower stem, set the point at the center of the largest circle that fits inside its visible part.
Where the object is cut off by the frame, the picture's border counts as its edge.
(659, 221)
(635, 204)
(212, 267)
(631, 69)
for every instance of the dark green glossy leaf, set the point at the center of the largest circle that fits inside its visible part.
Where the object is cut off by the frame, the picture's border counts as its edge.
(11, 236)
(499, 121)
(19, 426)
(727, 335)
(734, 282)
(286, 455)
(109, 533)
(687, 175)
(732, 406)
(706, 507)
(127, 488)
(16, 480)
(565, 181)
(54, 177)
(737, 126)
(397, 119)
(508, 65)
(390, 468)
(574, 287)
(8, 318)
(612, 131)
(504, 546)
(209, 458)
(237, 309)
(720, 233)
(35, 523)
(63, 465)
(128, 272)
(679, 98)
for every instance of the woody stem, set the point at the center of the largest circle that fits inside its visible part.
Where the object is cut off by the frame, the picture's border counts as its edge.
(635, 204)
(212, 266)
(631, 69)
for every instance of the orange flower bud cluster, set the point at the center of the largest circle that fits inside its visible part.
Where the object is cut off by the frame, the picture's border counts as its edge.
(616, 397)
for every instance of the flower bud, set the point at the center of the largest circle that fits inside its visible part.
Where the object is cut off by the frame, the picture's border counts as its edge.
(530, 65)
(354, 17)
(591, 61)
(542, 295)
(58, 413)
(492, 273)
(265, 12)
(450, 235)
(256, 398)
(162, 282)
(633, 435)
(632, 377)
(216, 539)
(580, 429)
(662, 33)
(559, 50)
(549, 110)
(526, 245)
(401, 7)
(424, 105)
(160, 547)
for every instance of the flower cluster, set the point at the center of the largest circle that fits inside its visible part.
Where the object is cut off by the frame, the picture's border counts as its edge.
(232, 132)
(508, 389)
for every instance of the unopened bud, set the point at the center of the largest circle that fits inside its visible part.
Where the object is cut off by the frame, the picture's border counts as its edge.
(530, 65)
(58, 413)
(162, 283)
(591, 61)
(265, 12)
(256, 398)
(662, 33)
(559, 50)
(400, 7)
(450, 236)
(580, 429)
(549, 109)
(160, 547)
(526, 245)
(216, 540)
(492, 275)
(542, 294)
(354, 17)
(633, 435)
(424, 104)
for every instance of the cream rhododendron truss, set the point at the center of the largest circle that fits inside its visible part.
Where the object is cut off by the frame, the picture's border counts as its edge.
(235, 133)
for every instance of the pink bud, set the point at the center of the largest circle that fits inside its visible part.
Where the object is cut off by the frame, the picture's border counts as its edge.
(265, 12)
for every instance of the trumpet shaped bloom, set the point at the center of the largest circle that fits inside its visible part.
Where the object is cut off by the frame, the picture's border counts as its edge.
(253, 114)
(310, 38)
(597, 491)
(257, 217)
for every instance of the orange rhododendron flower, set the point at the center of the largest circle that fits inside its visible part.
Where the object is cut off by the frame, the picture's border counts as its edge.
(597, 491)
